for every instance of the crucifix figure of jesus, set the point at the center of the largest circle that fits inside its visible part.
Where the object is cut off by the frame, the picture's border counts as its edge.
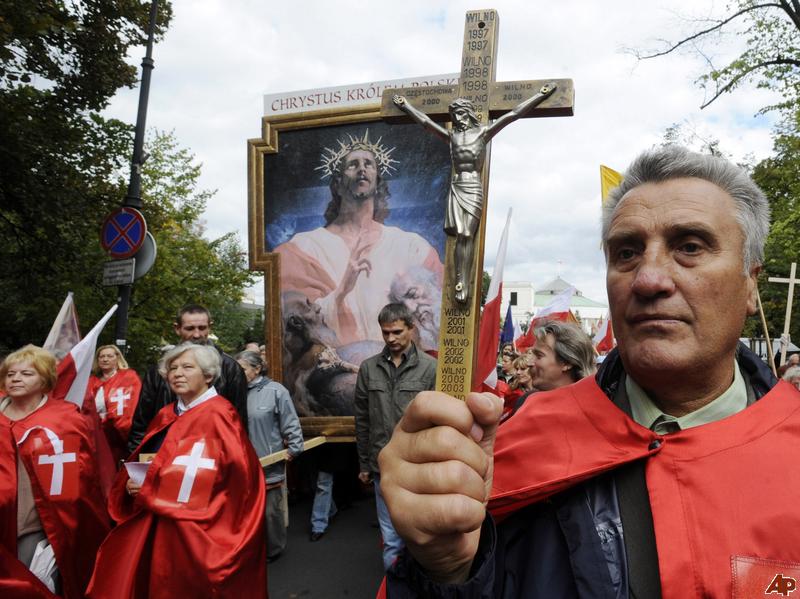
(478, 107)
(468, 141)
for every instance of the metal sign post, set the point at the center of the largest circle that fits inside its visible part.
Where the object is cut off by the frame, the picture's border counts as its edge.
(134, 199)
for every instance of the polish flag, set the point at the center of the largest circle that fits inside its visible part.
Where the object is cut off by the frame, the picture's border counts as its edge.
(71, 385)
(603, 340)
(74, 370)
(64, 334)
(517, 333)
(557, 309)
(489, 334)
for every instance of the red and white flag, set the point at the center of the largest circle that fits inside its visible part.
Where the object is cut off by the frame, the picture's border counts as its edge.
(74, 370)
(71, 385)
(603, 340)
(557, 309)
(64, 334)
(489, 335)
(517, 333)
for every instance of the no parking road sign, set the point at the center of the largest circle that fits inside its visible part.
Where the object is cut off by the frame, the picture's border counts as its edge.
(123, 232)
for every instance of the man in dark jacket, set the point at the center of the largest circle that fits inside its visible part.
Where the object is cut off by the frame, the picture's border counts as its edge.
(663, 476)
(193, 324)
(386, 383)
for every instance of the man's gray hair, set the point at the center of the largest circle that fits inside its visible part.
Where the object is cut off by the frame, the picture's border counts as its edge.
(675, 162)
(571, 345)
(207, 357)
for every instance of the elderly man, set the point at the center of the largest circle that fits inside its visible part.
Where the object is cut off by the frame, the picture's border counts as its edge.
(666, 475)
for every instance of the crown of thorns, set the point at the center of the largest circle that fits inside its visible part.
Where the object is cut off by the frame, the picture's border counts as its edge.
(331, 158)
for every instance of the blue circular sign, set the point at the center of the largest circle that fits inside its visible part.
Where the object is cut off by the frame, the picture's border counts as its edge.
(123, 232)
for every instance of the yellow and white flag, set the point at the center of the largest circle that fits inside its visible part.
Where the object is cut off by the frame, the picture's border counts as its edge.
(609, 179)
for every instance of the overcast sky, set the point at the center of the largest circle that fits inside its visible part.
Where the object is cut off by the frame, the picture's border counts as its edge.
(220, 57)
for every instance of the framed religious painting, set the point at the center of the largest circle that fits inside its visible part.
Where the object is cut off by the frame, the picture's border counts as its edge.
(345, 216)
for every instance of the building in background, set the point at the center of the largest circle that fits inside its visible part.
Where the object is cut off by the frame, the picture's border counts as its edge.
(526, 300)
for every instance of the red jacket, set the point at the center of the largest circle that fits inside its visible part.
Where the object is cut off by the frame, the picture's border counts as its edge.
(724, 495)
(57, 450)
(196, 529)
(120, 396)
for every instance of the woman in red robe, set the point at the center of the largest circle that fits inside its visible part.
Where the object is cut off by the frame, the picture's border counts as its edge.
(193, 525)
(115, 389)
(52, 511)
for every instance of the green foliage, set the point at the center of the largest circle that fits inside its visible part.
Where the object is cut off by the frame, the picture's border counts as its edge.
(72, 54)
(771, 59)
(64, 168)
(779, 177)
(189, 268)
(486, 280)
(61, 162)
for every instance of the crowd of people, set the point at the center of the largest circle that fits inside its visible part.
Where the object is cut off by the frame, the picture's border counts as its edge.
(662, 473)
(187, 507)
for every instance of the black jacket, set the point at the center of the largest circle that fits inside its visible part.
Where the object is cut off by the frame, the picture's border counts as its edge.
(231, 384)
(571, 545)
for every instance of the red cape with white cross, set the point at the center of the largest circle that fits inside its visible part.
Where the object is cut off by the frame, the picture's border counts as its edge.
(196, 529)
(57, 450)
(118, 396)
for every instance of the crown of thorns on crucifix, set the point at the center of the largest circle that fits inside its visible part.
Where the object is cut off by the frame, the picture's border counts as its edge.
(331, 158)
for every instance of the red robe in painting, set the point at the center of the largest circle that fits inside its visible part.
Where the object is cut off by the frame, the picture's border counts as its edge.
(724, 495)
(196, 529)
(120, 395)
(57, 451)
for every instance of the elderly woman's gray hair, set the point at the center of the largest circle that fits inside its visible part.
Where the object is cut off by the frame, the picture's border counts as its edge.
(252, 358)
(675, 162)
(207, 358)
(791, 373)
(571, 345)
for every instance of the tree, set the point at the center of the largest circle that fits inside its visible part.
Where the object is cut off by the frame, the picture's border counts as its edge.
(779, 177)
(189, 268)
(486, 280)
(771, 58)
(61, 162)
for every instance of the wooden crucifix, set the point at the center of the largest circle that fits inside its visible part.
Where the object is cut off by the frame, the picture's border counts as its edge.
(787, 321)
(470, 106)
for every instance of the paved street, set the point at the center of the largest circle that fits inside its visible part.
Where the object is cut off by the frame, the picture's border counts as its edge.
(346, 562)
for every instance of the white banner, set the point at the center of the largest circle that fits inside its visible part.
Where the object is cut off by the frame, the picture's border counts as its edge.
(344, 96)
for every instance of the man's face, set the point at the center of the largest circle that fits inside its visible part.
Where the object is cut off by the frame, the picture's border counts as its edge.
(507, 364)
(397, 336)
(360, 174)
(194, 327)
(548, 371)
(675, 280)
(793, 360)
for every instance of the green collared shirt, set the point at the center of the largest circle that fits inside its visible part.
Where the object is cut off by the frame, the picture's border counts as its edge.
(647, 414)
(404, 356)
